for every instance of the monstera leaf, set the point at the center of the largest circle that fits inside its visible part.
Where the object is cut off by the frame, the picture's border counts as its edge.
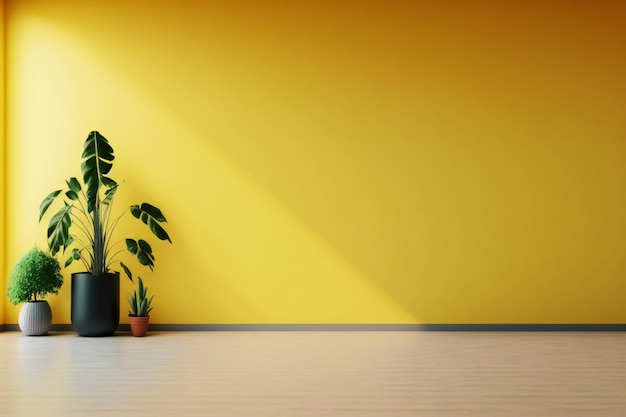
(73, 189)
(97, 162)
(151, 216)
(58, 230)
(142, 250)
(45, 204)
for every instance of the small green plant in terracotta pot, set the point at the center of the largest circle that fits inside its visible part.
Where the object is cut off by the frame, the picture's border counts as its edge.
(32, 278)
(140, 308)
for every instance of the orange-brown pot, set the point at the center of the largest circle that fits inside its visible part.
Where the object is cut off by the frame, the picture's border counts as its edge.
(139, 325)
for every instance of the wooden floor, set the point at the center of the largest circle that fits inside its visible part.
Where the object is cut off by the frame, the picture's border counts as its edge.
(257, 374)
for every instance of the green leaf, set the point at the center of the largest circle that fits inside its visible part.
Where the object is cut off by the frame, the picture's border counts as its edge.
(153, 211)
(142, 250)
(143, 259)
(132, 301)
(151, 216)
(127, 271)
(72, 195)
(74, 185)
(74, 257)
(97, 162)
(144, 254)
(109, 195)
(46, 202)
(132, 246)
(109, 182)
(58, 230)
(146, 248)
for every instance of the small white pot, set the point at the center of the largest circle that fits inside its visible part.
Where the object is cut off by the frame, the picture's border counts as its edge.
(35, 318)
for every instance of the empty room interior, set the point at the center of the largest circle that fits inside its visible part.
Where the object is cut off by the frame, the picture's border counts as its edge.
(318, 208)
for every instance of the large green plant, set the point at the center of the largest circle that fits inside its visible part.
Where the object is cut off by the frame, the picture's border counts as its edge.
(85, 224)
(34, 276)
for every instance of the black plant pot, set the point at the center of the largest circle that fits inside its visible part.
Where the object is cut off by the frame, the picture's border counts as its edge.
(95, 303)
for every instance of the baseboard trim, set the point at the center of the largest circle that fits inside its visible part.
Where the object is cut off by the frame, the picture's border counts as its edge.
(360, 327)
(387, 327)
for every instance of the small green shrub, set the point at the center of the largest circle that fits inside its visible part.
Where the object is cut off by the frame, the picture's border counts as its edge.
(34, 276)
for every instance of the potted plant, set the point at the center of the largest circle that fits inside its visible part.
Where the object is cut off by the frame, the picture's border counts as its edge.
(140, 308)
(85, 225)
(35, 275)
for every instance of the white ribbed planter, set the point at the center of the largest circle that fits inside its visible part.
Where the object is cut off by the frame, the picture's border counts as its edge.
(35, 318)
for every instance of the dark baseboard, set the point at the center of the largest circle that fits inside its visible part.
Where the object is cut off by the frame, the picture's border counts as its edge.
(361, 327)
(389, 327)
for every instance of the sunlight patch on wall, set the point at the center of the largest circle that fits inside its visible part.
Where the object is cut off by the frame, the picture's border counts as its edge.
(239, 256)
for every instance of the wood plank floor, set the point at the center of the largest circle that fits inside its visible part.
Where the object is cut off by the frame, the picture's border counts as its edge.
(383, 374)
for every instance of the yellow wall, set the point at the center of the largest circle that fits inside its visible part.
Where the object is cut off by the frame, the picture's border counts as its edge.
(2, 142)
(340, 162)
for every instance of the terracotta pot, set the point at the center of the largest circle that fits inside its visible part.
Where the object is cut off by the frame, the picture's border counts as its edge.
(139, 325)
